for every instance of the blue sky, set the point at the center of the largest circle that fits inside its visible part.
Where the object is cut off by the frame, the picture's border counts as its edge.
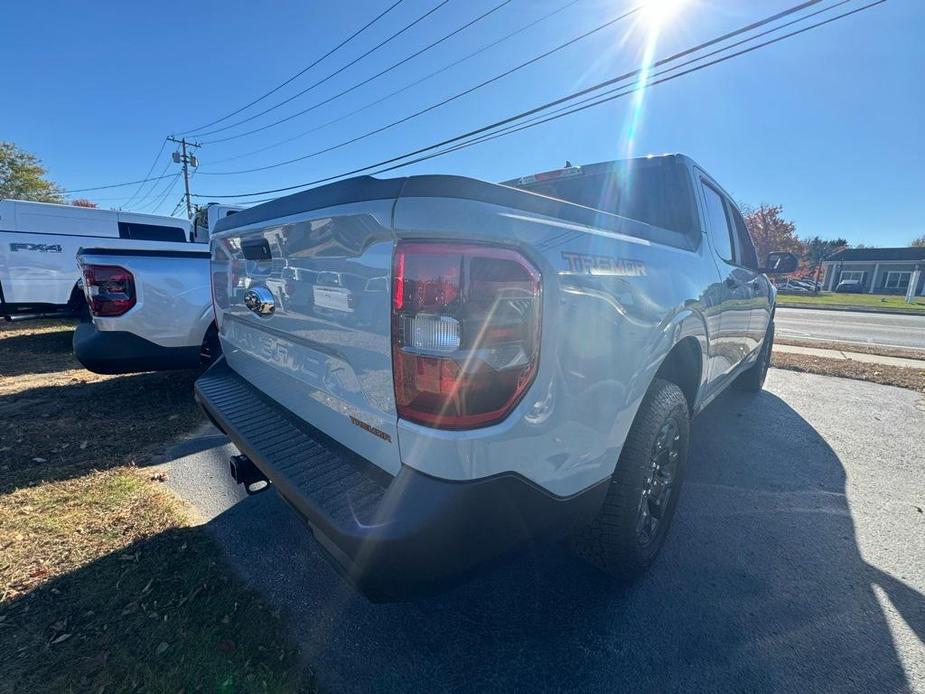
(830, 124)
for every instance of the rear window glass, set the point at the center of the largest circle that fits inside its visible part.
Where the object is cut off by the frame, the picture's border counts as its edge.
(150, 232)
(652, 192)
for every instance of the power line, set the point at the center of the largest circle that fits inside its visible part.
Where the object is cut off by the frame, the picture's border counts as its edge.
(368, 79)
(408, 86)
(177, 206)
(158, 194)
(620, 78)
(582, 92)
(303, 70)
(333, 74)
(167, 192)
(150, 169)
(379, 45)
(450, 99)
(493, 79)
(544, 118)
(163, 195)
(625, 92)
(148, 193)
(115, 185)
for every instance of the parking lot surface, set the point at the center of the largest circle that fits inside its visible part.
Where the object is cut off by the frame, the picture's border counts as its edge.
(796, 562)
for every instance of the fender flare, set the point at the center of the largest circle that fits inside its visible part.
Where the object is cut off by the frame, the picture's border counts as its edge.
(688, 323)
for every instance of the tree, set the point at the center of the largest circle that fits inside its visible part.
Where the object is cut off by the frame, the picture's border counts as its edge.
(818, 249)
(22, 176)
(770, 231)
(83, 202)
(919, 242)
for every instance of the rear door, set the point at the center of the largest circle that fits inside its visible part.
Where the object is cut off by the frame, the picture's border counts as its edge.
(758, 287)
(304, 309)
(730, 342)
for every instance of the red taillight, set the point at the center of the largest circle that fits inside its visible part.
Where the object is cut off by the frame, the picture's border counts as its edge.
(465, 332)
(110, 289)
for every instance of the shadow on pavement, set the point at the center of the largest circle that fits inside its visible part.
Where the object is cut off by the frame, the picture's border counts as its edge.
(761, 587)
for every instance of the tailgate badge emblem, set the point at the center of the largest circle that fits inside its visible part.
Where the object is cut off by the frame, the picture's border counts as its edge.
(260, 300)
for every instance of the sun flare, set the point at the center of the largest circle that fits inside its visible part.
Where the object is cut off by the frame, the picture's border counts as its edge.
(660, 12)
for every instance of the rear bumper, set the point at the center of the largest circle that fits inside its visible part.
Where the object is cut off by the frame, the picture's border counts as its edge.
(392, 536)
(117, 352)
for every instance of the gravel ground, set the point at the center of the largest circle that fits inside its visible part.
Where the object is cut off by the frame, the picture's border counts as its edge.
(797, 562)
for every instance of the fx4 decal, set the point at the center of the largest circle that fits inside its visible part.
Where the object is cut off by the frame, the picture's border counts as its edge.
(604, 265)
(40, 247)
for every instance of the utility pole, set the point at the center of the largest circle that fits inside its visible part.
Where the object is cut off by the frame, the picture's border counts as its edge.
(182, 157)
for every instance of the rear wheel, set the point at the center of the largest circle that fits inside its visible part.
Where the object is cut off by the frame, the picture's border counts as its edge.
(633, 523)
(753, 379)
(77, 305)
(211, 348)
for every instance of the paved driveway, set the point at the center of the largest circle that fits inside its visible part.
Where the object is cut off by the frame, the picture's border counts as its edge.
(851, 326)
(797, 562)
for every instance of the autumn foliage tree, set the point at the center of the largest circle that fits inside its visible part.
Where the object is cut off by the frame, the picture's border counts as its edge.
(771, 232)
(83, 202)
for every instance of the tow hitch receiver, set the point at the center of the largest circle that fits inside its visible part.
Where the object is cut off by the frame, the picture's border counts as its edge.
(243, 471)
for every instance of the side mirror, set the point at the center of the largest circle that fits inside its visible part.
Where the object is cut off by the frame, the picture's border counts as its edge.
(780, 263)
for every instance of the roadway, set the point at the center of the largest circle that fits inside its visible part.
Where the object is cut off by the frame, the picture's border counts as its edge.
(884, 329)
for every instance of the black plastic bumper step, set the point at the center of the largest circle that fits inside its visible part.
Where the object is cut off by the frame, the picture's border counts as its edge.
(306, 465)
(392, 536)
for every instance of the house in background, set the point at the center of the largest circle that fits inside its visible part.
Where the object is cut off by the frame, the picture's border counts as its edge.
(879, 270)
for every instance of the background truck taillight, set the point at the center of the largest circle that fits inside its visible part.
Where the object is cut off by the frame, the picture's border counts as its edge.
(465, 332)
(109, 289)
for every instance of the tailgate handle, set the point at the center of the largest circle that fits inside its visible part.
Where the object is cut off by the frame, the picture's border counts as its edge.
(256, 249)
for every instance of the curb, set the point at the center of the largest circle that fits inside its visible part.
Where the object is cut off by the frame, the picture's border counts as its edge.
(858, 309)
(848, 355)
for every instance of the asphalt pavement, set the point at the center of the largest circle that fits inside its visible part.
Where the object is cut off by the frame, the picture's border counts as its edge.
(796, 562)
(884, 329)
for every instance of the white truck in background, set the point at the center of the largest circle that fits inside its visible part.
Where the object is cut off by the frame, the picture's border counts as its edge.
(150, 308)
(39, 242)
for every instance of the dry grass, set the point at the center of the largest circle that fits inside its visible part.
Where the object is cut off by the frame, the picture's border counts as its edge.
(103, 584)
(58, 420)
(51, 529)
(913, 379)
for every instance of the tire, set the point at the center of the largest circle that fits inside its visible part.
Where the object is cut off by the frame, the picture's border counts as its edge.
(622, 540)
(211, 348)
(83, 313)
(752, 381)
(77, 305)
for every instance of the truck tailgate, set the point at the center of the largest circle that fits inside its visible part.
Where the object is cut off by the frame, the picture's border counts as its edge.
(303, 304)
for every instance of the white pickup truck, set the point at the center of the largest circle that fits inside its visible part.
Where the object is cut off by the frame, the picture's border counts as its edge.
(150, 307)
(38, 243)
(433, 369)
